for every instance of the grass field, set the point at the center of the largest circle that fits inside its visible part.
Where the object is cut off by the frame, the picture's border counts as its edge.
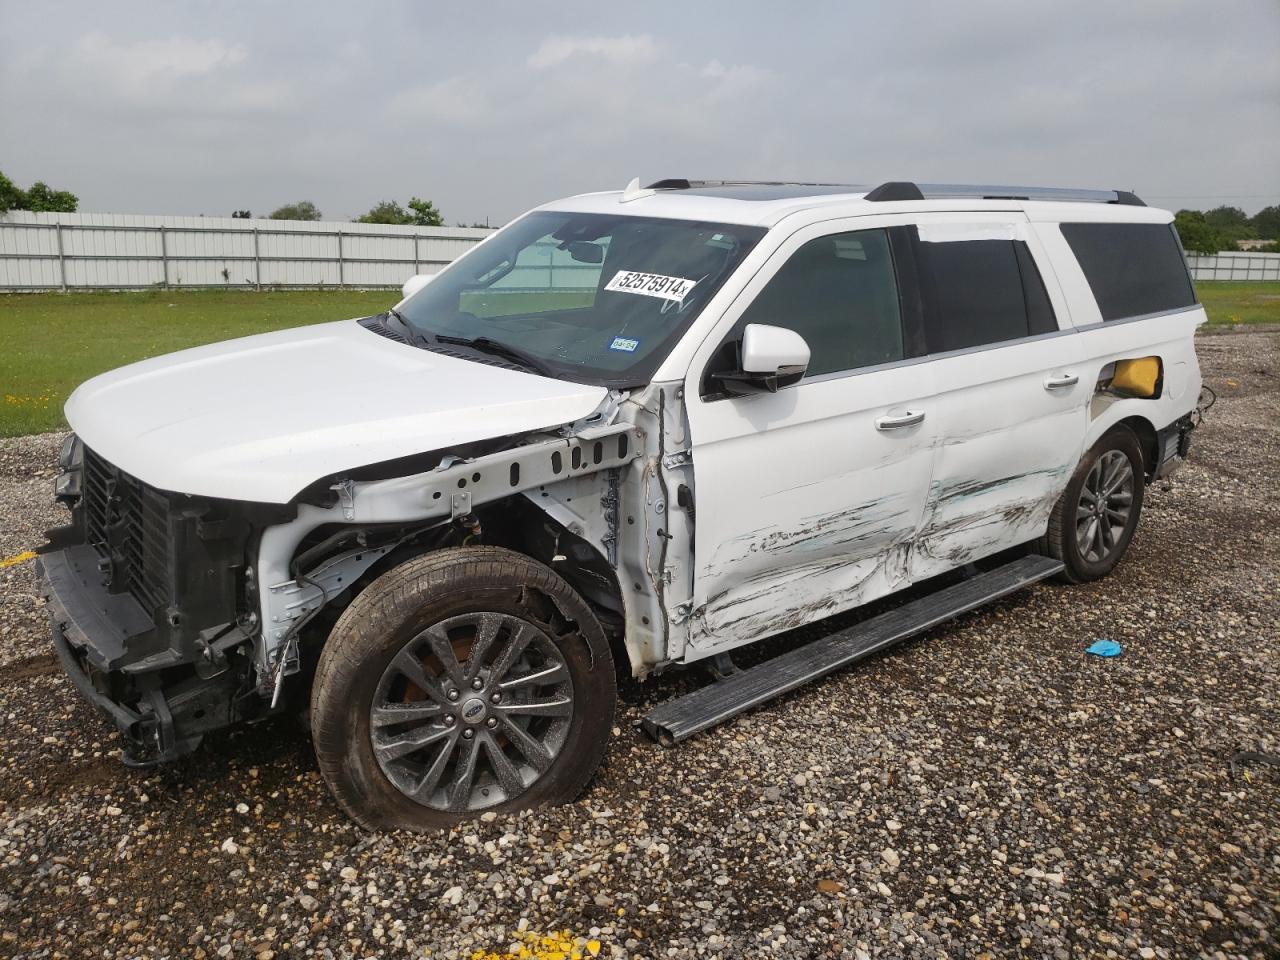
(50, 342)
(1228, 302)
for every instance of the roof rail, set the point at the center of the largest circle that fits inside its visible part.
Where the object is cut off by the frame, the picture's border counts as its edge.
(906, 190)
(679, 183)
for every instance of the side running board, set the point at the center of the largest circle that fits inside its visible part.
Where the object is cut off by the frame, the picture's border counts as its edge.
(678, 719)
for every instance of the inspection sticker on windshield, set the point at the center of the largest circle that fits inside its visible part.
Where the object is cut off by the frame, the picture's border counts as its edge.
(624, 344)
(651, 285)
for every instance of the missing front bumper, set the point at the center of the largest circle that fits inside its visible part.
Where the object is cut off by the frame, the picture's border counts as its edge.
(162, 710)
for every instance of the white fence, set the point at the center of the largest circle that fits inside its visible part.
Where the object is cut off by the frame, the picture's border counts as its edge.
(1236, 266)
(48, 251)
(63, 251)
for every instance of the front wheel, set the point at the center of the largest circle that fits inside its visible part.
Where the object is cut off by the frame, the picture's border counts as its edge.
(1093, 522)
(466, 680)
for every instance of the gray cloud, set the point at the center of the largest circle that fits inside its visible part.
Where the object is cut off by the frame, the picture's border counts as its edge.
(206, 108)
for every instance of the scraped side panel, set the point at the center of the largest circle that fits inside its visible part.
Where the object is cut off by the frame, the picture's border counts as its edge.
(809, 566)
(805, 507)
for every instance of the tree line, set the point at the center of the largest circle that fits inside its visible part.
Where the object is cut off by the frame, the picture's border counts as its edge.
(1223, 228)
(417, 212)
(39, 197)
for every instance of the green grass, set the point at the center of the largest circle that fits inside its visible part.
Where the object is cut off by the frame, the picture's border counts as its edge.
(1230, 302)
(52, 342)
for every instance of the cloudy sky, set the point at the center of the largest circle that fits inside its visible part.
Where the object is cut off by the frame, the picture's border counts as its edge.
(487, 109)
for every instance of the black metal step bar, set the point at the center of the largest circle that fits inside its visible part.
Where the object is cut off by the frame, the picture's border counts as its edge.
(681, 718)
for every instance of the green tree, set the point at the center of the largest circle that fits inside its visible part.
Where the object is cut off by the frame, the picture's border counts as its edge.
(1226, 217)
(1232, 222)
(1267, 223)
(1197, 235)
(241, 214)
(388, 211)
(425, 213)
(302, 210)
(11, 198)
(40, 198)
(421, 213)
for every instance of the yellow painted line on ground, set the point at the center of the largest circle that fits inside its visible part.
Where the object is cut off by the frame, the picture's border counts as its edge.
(17, 559)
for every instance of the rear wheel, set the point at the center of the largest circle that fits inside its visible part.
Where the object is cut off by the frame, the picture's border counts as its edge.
(467, 680)
(1093, 522)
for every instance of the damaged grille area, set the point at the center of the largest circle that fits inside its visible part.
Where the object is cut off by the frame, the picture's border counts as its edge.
(127, 523)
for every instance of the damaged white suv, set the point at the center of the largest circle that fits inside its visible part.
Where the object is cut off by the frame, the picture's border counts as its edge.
(630, 430)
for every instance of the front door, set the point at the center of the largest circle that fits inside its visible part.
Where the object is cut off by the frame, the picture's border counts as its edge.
(1011, 394)
(809, 499)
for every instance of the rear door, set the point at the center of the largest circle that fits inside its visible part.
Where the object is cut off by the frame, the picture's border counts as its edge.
(808, 500)
(1011, 392)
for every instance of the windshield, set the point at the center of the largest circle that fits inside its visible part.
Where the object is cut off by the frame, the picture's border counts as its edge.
(596, 298)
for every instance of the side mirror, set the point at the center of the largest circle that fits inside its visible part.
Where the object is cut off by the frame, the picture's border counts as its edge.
(772, 358)
(415, 283)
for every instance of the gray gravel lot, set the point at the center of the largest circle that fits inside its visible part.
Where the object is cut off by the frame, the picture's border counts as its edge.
(987, 790)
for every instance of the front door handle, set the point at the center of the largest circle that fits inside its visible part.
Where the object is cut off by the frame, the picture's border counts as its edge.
(1059, 382)
(897, 422)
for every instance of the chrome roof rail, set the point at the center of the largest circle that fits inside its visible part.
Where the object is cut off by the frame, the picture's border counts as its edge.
(679, 183)
(906, 190)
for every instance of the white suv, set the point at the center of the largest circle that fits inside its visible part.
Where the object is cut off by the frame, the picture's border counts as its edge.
(628, 431)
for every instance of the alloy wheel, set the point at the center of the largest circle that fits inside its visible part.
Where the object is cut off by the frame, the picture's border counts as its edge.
(471, 711)
(1106, 501)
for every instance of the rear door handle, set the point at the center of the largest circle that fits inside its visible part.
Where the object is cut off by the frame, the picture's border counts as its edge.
(897, 422)
(1058, 383)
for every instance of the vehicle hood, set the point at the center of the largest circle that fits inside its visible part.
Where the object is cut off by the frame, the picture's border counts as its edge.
(262, 417)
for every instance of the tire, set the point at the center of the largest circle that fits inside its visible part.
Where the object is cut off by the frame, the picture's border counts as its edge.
(1077, 535)
(511, 643)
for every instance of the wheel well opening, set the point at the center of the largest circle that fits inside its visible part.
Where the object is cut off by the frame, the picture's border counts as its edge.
(518, 524)
(514, 523)
(1149, 442)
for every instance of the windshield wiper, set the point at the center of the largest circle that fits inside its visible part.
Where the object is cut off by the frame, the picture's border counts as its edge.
(416, 336)
(480, 344)
(494, 348)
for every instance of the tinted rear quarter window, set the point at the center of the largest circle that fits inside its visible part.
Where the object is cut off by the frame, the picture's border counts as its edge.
(1133, 269)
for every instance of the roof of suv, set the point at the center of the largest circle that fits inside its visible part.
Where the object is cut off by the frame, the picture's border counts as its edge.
(765, 203)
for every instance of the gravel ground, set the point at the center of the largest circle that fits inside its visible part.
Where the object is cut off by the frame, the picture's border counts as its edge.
(986, 790)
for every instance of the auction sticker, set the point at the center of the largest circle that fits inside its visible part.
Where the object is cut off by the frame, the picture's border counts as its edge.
(651, 285)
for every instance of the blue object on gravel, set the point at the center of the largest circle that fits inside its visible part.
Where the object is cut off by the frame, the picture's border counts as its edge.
(1104, 648)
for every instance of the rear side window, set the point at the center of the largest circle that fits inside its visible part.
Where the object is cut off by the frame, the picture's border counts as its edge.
(983, 291)
(1134, 269)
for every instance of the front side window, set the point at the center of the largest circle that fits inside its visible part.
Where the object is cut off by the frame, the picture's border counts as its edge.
(984, 291)
(1133, 269)
(595, 298)
(840, 293)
